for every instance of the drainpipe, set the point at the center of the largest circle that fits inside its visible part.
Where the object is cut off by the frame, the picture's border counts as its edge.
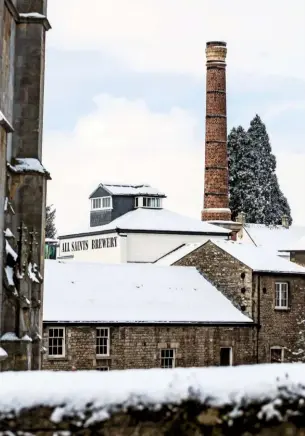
(258, 316)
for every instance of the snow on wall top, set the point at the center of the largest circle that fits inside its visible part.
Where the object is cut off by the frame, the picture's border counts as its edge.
(158, 220)
(274, 238)
(259, 259)
(175, 255)
(28, 165)
(106, 392)
(143, 189)
(140, 293)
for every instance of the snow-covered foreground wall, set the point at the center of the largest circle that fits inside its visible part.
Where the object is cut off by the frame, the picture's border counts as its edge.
(261, 399)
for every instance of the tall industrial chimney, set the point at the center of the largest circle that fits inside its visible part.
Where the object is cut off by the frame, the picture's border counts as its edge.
(216, 189)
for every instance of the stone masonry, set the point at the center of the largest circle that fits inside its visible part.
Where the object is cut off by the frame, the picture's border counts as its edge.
(140, 346)
(254, 294)
(216, 198)
(23, 25)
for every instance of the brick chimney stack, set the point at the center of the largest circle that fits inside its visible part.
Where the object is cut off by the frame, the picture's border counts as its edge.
(216, 189)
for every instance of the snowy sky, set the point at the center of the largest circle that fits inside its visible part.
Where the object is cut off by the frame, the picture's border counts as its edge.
(125, 94)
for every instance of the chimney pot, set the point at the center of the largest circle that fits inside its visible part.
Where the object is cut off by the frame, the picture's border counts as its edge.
(285, 222)
(241, 218)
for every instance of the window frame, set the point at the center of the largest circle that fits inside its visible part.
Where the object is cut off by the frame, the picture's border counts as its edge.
(277, 347)
(230, 357)
(164, 358)
(57, 356)
(281, 299)
(157, 200)
(108, 341)
(101, 199)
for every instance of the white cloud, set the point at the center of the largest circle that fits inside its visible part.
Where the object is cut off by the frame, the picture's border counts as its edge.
(291, 172)
(170, 35)
(123, 141)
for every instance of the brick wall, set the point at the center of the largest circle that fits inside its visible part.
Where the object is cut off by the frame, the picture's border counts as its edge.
(139, 346)
(216, 192)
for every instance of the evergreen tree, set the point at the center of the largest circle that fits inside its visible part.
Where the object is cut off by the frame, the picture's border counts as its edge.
(50, 222)
(253, 183)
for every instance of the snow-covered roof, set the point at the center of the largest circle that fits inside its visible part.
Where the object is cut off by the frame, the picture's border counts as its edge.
(274, 238)
(92, 396)
(157, 220)
(132, 293)
(132, 190)
(259, 259)
(177, 254)
(297, 246)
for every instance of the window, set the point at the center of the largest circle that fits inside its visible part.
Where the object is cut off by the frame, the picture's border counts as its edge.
(136, 202)
(281, 295)
(168, 358)
(101, 203)
(276, 354)
(152, 202)
(56, 342)
(102, 341)
(226, 356)
(102, 368)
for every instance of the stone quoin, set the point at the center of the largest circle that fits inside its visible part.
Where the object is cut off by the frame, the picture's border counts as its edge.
(216, 188)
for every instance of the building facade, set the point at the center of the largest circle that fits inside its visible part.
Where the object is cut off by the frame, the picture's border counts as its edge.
(99, 316)
(270, 290)
(129, 224)
(23, 178)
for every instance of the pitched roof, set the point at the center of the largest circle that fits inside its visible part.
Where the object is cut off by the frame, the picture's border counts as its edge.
(132, 190)
(132, 293)
(274, 238)
(157, 220)
(178, 253)
(259, 259)
(297, 246)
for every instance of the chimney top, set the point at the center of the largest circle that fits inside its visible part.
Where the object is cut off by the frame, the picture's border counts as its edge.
(219, 43)
(285, 222)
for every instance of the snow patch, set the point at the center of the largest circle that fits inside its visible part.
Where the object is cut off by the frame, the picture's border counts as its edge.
(4, 120)
(26, 338)
(32, 15)
(10, 275)
(28, 165)
(31, 272)
(9, 250)
(3, 354)
(9, 336)
(8, 233)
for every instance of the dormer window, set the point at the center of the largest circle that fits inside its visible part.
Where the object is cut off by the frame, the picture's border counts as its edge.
(101, 203)
(149, 202)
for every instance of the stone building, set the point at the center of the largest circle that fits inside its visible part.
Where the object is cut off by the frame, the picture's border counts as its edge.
(23, 25)
(268, 289)
(99, 316)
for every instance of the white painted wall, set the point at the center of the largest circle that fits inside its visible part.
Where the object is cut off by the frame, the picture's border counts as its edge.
(96, 251)
(132, 247)
(148, 247)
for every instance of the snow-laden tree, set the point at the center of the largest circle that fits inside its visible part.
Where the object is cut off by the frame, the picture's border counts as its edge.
(253, 183)
(50, 222)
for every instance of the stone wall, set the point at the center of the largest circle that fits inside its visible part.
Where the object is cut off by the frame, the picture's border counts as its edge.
(298, 257)
(254, 294)
(139, 346)
(228, 275)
